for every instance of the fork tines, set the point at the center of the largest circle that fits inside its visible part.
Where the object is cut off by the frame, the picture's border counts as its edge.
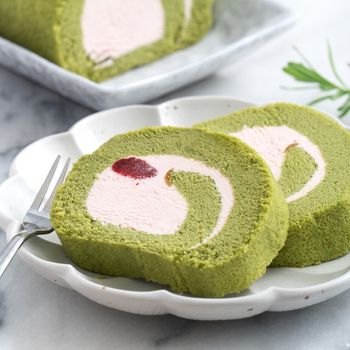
(39, 198)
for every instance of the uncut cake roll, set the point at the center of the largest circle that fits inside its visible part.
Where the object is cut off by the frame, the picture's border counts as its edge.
(309, 155)
(100, 39)
(197, 211)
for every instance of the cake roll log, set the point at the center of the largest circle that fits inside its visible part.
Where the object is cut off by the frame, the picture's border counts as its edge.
(309, 155)
(196, 211)
(198, 19)
(100, 39)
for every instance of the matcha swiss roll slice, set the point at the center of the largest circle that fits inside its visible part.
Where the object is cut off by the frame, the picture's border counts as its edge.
(309, 155)
(197, 211)
(103, 38)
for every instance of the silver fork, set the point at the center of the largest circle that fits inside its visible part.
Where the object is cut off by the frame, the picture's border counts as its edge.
(37, 219)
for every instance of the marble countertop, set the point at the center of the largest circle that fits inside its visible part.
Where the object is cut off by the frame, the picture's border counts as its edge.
(37, 314)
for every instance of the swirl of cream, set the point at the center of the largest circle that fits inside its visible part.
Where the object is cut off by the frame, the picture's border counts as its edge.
(149, 204)
(273, 142)
(113, 28)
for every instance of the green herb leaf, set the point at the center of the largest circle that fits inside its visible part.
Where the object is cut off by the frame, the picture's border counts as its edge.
(345, 108)
(306, 73)
(331, 61)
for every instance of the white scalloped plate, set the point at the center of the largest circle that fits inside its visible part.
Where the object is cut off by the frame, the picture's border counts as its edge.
(280, 289)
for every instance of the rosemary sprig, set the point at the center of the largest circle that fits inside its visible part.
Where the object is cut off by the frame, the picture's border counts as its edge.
(306, 73)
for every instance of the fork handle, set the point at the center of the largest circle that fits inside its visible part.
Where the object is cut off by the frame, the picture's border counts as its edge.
(12, 247)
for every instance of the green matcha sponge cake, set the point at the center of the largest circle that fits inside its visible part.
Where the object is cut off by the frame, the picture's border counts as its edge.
(309, 155)
(198, 211)
(103, 38)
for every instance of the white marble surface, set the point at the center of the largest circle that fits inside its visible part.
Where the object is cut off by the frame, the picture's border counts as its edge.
(36, 314)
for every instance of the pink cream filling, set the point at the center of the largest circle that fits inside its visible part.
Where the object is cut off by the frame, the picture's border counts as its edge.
(152, 205)
(272, 143)
(188, 9)
(112, 28)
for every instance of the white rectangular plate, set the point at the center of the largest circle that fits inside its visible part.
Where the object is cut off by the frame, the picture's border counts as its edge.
(240, 26)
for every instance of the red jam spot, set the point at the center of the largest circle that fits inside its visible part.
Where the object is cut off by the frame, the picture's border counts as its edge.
(135, 168)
